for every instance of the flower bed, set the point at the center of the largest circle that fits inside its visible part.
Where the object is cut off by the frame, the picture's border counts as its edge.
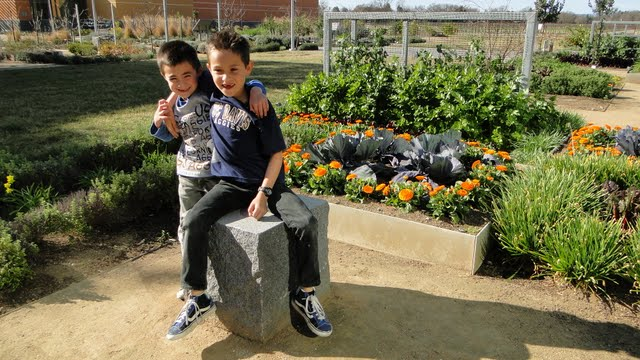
(439, 174)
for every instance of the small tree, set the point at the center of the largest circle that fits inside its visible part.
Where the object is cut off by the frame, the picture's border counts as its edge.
(601, 8)
(547, 11)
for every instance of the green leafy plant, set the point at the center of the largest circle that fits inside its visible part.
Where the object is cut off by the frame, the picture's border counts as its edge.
(30, 197)
(326, 180)
(14, 267)
(585, 251)
(359, 190)
(82, 49)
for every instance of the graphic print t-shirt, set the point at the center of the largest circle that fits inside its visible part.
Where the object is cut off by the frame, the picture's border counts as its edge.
(192, 117)
(243, 144)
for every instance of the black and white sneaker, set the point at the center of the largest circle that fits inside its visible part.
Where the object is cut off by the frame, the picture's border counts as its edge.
(308, 306)
(191, 314)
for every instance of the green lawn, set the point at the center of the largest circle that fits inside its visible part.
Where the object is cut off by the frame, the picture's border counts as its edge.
(46, 110)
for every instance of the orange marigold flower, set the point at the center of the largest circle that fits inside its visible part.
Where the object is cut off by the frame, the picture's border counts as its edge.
(335, 165)
(368, 133)
(381, 187)
(467, 185)
(333, 133)
(501, 168)
(351, 176)
(505, 155)
(286, 168)
(367, 189)
(462, 192)
(420, 177)
(615, 152)
(473, 143)
(386, 190)
(295, 148)
(405, 194)
(405, 136)
(298, 163)
(490, 178)
(306, 156)
(320, 141)
(320, 172)
(476, 164)
(358, 121)
(433, 193)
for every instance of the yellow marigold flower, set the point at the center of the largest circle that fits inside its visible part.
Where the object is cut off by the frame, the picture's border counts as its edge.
(380, 187)
(368, 133)
(320, 141)
(490, 178)
(335, 165)
(420, 177)
(501, 168)
(476, 182)
(405, 194)
(320, 172)
(405, 177)
(386, 190)
(298, 163)
(490, 151)
(467, 185)
(351, 176)
(367, 189)
(476, 164)
(306, 156)
(462, 192)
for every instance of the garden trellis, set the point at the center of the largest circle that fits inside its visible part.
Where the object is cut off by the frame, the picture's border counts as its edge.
(616, 28)
(499, 34)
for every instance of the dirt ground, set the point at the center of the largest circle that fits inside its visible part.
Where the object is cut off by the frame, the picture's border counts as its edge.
(83, 304)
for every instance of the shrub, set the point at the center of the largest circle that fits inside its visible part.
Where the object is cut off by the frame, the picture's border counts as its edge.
(82, 49)
(308, 46)
(14, 268)
(554, 77)
(266, 47)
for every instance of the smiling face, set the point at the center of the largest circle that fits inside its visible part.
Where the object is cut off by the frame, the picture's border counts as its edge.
(229, 72)
(181, 78)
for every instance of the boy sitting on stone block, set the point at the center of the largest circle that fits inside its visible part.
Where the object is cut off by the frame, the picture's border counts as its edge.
(247, 159)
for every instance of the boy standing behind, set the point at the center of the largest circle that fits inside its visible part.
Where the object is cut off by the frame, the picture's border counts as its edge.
(248, 160)
(179, 65)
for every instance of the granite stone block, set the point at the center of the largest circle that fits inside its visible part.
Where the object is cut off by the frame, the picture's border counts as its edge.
(249, 275)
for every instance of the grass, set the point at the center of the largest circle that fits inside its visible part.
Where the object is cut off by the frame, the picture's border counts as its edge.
(47, 110)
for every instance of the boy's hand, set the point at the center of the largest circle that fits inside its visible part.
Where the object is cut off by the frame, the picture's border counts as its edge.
(170, 122)
(164, 114)
(258, 102)
(258, 206)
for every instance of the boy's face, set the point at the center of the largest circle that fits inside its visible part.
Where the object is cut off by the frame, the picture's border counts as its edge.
(181, 78)
(229, 72)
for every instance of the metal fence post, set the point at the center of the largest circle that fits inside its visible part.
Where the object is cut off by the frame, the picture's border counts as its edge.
(527, 56)
(405, 42)
(326, 44)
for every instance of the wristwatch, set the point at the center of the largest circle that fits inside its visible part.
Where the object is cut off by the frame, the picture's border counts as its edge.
(266, 190)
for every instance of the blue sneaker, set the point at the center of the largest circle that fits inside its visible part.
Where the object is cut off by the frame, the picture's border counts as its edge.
(308, 306)
(191, 314)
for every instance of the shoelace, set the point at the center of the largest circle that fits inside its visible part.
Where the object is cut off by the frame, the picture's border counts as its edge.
(184, 313)
(315, 304)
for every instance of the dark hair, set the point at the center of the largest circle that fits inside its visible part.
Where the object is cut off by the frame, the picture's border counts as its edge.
(228, 39)
(175, 52)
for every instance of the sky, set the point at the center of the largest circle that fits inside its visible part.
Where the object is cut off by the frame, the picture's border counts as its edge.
(574, 6)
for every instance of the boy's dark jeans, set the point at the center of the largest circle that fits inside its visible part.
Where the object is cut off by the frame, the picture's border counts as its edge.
(226, 197)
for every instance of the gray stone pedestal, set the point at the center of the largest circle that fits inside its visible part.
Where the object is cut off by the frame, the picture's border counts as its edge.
(249, 275)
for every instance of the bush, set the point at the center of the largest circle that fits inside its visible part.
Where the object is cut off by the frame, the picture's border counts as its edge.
(14, 268)
(266, 47)
(571, 80)
(416, 40)
(308, 46)
(82, 49)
